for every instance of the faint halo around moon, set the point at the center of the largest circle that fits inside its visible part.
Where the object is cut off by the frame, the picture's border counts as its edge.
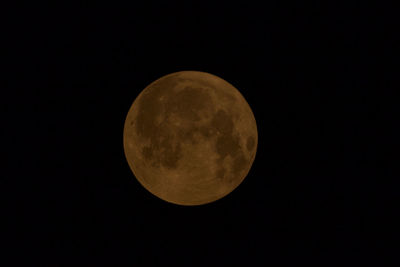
(190, 138)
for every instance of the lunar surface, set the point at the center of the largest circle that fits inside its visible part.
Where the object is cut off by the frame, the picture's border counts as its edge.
(190, 138)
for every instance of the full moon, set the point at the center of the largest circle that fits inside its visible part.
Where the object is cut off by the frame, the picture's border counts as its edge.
(190, 138)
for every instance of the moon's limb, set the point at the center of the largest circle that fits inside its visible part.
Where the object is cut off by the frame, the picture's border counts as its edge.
(190, 138)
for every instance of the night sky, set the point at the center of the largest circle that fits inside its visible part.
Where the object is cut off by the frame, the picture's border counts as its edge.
(320, 82)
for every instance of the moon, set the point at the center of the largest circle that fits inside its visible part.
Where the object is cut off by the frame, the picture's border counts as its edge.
(190, 138)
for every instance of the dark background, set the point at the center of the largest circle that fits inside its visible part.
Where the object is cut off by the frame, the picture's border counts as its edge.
(319, 78)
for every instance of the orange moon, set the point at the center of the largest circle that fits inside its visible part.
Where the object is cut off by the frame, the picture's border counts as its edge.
(190, 138)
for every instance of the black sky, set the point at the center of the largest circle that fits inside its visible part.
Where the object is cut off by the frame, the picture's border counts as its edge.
(319, 78)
